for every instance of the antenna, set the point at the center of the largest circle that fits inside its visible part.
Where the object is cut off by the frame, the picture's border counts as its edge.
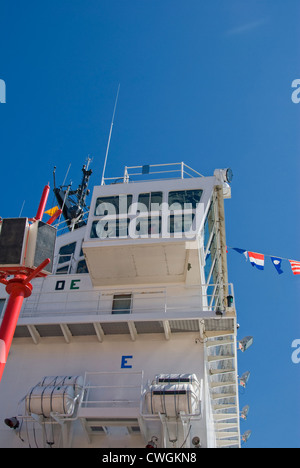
(22, 209)
(110, 132)
(67, 174)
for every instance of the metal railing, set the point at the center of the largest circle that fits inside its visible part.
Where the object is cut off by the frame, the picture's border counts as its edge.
(62, 226)
(112, 389)
(145, 301)
(159, 171)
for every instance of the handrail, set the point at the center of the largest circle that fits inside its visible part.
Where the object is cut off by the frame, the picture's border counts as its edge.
(149, 170)
(205, 298)
(112, 392)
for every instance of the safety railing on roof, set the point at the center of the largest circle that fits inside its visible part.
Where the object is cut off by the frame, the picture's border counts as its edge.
(153, 171)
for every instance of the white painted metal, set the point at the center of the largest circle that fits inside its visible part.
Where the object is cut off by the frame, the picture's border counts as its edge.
(178, 323)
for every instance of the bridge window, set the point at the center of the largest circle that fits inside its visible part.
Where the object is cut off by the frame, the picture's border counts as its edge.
(82, 267)
(66, 252)
(180, 223)
(184, 199)
(148, 225)
(63, 271)
(110, 228)
(150, 201)
(114, 205)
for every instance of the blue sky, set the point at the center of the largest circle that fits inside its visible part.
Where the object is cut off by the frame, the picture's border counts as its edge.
(207, 83)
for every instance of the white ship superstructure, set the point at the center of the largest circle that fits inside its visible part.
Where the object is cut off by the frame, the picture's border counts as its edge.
(133, 339)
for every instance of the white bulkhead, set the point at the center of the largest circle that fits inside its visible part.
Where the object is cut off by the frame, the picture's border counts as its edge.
(134, 335)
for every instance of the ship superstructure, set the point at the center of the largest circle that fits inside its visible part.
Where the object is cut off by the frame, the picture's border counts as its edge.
(132, 341)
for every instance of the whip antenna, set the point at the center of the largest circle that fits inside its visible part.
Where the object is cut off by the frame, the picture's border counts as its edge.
(110, 132)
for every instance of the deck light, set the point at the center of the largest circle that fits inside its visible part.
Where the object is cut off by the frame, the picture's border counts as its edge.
(224, 175)
(245, 343)
(229, 175)
(13, 423)
(244, 379)
(196, 442)
(152, 443)
(245, 412)
(246, 436)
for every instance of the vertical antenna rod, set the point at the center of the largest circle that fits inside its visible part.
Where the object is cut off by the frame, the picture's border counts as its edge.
(110, 132)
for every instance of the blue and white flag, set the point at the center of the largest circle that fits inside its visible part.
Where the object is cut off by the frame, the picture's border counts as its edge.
(277, 264)
(241, 251)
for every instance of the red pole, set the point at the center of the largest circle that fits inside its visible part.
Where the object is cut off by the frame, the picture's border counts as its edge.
(54, 217)
(17, 291)
(43, 202)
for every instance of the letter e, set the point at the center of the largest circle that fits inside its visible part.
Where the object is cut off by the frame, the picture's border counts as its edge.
(124, 363)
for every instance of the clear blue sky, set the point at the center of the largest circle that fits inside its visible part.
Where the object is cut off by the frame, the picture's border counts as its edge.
(204, 82)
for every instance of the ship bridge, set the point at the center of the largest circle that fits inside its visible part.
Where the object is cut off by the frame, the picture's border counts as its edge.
(149, 231)
(150, 259)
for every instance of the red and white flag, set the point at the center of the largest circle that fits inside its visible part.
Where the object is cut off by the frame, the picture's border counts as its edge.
(295, 267)
(257, 260)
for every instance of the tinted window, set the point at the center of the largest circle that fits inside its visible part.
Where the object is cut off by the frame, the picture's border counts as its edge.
(151, 201)
(111, 229)
(66, 252)
(148, 225)
(187, 199)
(180, 223)
(113, 205)
(82, 267)
(121, 304)
(63, 271)
(209, 224)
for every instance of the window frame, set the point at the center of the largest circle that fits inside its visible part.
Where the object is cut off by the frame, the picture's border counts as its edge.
(122, 297)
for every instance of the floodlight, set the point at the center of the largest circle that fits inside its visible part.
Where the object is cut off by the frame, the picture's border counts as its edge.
(244, 379)
(245, 343)
(153, 442)
(225, 176)
(196, 442)
(246, 436)
(229, 175)
(13, 423)
(245, 412)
